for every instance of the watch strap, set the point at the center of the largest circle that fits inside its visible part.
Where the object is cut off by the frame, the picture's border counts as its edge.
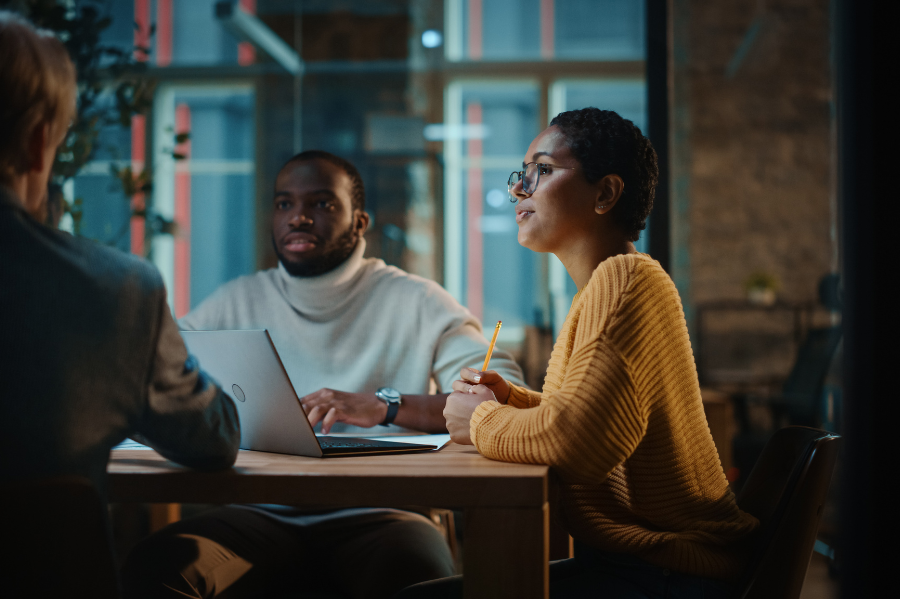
(393, 408)
(393, 399)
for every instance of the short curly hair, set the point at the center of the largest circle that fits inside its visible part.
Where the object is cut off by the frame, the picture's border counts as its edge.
(358, 189)
(605, 144)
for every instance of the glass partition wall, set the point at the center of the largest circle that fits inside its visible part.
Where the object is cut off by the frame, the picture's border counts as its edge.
(516, 64)
(435, 101)
(208, 192)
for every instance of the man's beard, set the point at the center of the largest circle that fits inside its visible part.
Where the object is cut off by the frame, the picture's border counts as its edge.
(337, 254)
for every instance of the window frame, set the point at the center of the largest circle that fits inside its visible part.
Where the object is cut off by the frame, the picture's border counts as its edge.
(162, 200)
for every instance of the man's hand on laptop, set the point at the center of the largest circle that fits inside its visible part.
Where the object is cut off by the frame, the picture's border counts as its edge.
(329, 406)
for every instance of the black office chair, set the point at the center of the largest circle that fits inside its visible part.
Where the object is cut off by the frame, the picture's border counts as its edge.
(801, 393)
(56, 540)
(800, 401)
(786, 491)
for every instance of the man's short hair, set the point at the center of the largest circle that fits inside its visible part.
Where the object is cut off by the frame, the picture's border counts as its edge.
(358, 190)
(606, 144)
(38, 82)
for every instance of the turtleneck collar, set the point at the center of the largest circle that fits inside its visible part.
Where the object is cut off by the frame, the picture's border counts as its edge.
(320, 298)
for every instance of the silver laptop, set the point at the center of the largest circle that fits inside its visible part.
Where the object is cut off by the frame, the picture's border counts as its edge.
(247, 366)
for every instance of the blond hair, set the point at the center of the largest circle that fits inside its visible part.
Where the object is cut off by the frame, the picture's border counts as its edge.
(38, 82)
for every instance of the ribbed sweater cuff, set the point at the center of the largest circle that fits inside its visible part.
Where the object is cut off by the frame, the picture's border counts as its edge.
(519, 397)
(480, 414)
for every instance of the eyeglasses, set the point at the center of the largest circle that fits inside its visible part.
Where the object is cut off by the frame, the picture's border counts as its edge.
(530, 177)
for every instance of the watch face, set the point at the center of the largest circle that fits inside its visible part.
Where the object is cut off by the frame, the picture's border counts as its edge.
(389, 393)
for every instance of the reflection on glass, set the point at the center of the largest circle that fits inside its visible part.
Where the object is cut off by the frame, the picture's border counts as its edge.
(627, 97)
(500, 273)
(197, 38)
(508, 114)
(213, 196)
(516, 30)
(106, 210)
(492, 269)
(599, 29)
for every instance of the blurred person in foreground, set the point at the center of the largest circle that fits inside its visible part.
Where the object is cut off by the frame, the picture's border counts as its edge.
(91, 353)
(620, 419)
(349, 330)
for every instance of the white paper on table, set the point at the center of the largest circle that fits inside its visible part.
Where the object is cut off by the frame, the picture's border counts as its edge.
(132, 444)
(439, 440)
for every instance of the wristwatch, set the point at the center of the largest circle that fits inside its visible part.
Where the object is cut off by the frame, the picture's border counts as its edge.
(393, 399)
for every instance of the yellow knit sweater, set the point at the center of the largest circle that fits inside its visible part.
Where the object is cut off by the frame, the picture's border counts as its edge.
(621, 422)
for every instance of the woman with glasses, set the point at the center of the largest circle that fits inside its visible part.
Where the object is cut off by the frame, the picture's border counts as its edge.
(620, 419)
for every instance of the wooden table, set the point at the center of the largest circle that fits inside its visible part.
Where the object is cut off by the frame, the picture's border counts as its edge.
(505, 505)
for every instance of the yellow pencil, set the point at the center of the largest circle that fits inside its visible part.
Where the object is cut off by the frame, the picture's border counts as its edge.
(487, 358)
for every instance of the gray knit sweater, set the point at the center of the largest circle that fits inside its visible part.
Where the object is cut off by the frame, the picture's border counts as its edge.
(359, 327)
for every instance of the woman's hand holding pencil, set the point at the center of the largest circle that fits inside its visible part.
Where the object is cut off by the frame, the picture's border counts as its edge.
(471, 379)
(473, 388)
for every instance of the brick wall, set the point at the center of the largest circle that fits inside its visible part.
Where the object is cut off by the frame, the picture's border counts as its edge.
(756, 191)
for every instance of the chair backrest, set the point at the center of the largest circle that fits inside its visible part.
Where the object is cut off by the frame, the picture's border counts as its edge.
(786, 491)
(803, 387)
(56, 540)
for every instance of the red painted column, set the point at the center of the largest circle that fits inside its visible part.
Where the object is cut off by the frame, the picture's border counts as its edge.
(142, 28)
(547, 29)
(182, 275)
(139, 128)
(163, 32)
(476, 35)
(138, 202)
(246, 51)
(474, 199)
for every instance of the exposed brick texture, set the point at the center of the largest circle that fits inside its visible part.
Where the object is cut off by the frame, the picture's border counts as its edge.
(760, 146)
(760, 172)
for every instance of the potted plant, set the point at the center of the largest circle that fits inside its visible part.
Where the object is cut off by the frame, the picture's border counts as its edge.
(761, 288)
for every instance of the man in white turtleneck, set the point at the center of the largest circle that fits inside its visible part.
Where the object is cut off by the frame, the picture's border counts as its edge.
(355, 335)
